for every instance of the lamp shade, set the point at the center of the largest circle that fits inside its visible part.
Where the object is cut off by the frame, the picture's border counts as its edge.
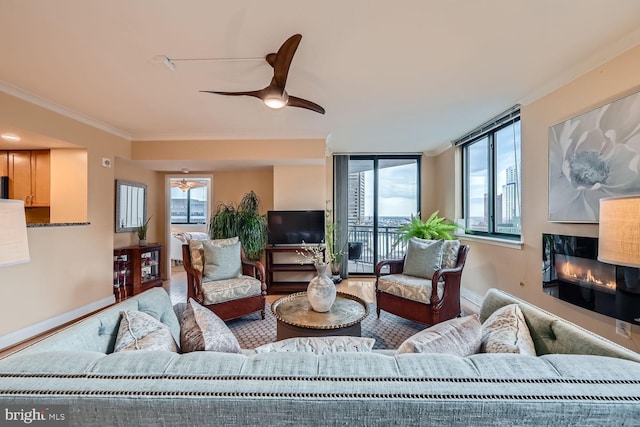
(14, 246)
(619, 233)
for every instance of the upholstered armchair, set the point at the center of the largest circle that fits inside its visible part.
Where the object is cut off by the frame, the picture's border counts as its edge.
(222, 279)
(411, 294)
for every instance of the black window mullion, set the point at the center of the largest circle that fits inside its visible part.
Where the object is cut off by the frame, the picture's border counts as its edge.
(492, 184)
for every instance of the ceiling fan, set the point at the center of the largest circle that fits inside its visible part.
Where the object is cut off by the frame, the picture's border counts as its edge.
(275, 95)
(185, 185)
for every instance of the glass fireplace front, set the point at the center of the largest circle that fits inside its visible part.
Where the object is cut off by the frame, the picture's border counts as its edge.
(571, 272)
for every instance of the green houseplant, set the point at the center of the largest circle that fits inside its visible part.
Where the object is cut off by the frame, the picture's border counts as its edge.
(434, 228)
(142, 231)
(244, 221)
(334, 245)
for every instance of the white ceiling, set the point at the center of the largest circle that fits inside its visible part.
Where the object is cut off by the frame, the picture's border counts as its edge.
(403, 76)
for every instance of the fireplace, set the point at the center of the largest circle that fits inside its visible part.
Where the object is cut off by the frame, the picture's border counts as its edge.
(571, 272)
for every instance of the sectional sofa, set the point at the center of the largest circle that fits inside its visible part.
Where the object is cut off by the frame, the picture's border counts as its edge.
(578, 378)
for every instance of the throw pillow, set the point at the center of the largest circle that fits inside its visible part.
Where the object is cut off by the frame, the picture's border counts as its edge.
(202, 330)
(506, 331)
(141, 331)
(458, 337)
(320, 345)
(221, 262)
(196, 247)
(422, 258)
(450, 249)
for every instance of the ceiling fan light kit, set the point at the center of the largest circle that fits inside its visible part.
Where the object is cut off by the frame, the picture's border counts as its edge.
(275, 95)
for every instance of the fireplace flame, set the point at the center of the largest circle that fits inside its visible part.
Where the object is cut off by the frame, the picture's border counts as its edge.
(571, 272)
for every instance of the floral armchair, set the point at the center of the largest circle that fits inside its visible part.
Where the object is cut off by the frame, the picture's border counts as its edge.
(407, 289)
(220, 278)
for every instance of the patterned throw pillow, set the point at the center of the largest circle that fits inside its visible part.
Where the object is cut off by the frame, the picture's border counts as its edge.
(458, 337)
(221, 262)
(506, 331)
(201, 329)
(320, 345)
(423, 258)
(196, 247)
(140, 331)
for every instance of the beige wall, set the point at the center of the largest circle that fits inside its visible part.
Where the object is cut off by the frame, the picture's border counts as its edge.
(70, 267)
(300, 187)
(519, 271)
(231, 186)
(68, 185)
(230, 151)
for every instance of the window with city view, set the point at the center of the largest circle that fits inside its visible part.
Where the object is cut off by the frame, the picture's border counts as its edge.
(491, 177)
(189, 201)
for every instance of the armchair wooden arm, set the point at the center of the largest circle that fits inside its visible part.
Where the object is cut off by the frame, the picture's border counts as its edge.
(194, 277)
(395, 266)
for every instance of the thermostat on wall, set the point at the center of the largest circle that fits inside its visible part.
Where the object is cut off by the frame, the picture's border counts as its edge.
(106, 162)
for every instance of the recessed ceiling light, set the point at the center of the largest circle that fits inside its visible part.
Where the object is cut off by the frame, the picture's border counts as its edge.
(10, 137)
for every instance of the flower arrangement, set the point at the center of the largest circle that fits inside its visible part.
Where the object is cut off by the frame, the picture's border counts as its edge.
(312, 254)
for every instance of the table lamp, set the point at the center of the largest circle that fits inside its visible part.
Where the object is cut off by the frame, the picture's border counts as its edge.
(619, 239)
(14, 246)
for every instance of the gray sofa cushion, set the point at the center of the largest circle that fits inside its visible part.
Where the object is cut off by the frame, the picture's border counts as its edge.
(320, 345)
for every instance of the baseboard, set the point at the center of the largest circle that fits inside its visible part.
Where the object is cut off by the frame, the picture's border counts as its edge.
(31, 331)
(470, 302)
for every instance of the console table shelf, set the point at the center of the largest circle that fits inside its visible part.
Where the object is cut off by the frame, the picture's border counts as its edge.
(136, 269)
(285, 266)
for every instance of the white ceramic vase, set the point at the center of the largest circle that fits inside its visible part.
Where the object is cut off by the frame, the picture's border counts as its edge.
(321, 290)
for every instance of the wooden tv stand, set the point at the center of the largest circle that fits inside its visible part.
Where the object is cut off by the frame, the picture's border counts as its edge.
(289, 266)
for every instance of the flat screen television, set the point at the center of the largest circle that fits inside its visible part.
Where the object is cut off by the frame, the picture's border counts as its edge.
(295, 227)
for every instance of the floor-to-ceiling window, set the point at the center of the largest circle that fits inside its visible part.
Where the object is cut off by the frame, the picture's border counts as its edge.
(383, 192)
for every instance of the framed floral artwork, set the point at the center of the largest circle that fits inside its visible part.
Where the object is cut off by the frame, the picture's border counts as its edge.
(594, 155)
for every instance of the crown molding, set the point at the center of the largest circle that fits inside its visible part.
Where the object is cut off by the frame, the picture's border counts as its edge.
(592, 62)
(57, 108)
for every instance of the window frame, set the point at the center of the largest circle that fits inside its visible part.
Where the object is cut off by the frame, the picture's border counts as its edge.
(489, 131)
(188, 201)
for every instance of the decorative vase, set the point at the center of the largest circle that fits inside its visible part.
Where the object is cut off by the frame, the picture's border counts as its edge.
(321, 290)
(143, 242)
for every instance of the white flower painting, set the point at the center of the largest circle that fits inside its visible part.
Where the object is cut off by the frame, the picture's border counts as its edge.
(594, 155)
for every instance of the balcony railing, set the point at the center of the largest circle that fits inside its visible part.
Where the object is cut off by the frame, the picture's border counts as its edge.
(389, 244)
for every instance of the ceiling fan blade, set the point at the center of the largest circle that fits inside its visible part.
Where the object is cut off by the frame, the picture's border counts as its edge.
(284, 58)
(303, 103)
(254, 93)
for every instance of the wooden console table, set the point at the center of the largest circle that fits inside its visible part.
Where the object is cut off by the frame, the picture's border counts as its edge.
(289, 266)
(136, 269)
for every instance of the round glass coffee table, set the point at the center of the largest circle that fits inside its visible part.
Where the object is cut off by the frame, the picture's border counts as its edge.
(296, 318)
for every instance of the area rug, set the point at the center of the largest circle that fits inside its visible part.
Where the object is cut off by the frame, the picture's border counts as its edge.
(389, 331)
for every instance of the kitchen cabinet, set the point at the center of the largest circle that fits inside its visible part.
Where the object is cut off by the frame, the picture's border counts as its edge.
(30, 177)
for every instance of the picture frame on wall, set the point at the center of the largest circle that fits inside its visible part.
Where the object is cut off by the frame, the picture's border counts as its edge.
(593, 155)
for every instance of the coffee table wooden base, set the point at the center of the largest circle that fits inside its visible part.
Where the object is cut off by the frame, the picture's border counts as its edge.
(285, 331)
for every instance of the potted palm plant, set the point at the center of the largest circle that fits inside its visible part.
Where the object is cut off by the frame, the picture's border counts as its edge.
(244, 221)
